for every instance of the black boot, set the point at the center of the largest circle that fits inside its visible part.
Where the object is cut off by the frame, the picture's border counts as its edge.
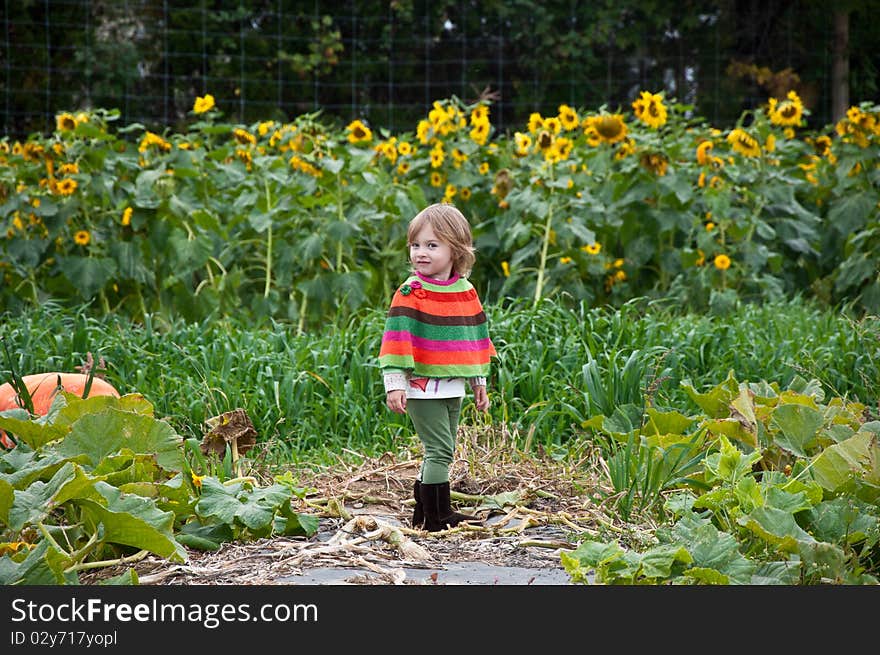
(418, 517)
(437, 508)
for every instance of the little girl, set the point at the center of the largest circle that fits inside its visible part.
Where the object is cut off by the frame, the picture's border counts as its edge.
(436, 337)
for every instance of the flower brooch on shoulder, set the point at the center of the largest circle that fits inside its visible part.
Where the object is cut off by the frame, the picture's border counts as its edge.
(415, 288)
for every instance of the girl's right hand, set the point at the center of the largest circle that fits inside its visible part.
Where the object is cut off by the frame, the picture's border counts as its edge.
(396, 401)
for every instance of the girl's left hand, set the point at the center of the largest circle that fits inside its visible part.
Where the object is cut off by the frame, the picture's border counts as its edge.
(481, 398)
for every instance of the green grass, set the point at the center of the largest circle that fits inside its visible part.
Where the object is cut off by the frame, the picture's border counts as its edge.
(315, 395)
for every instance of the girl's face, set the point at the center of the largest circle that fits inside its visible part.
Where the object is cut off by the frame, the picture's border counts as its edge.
(430, 256)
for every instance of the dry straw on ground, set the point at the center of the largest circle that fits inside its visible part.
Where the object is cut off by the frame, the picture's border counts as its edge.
(530, 506)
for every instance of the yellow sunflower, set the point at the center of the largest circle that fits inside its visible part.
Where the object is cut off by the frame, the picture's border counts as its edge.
(536, 122)
(358, 132)
(126, 216)
(203, 104)
(649, 109)
(592, 248)
(437, 156)
(568, 117)
(744, 143)
(553, 124)
(654, 162)
(66, 186)
(243, 136)
(703, 150)
(788, 112)
(480, 132)
(65, 122)
(608, 128)
(722, 262)
(480, 114)
(523, 143)
(82, 237)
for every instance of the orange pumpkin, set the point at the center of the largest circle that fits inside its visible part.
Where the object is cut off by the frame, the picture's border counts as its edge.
(42, 388)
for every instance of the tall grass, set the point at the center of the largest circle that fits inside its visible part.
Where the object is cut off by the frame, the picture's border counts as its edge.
(312, 396)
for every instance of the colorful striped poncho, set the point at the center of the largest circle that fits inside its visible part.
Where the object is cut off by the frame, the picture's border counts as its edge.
(436, 329)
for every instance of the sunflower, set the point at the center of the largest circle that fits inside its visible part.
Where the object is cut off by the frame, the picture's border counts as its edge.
(436, 179)
(82, 237)
(523, 143)
(822, 145)
(437, 156)
(703, 151)
(243, 136)
(553, 124)
(608, 128)
(649, 109)
(404, 148)
(536, 122)
(568, 117)
(152, 139)
(480, 133)
(388, 149)
(65, 187)
(484, 167)
(403, 168)
(654, 162)
(203, 104)
(65, 122)
(744, 143)
(560, 150)
(358, 132)
(505, 268)
(788, 112)
(423, 131)
(126, 216)
(544, 140)
(592, 248)
(465, 194)
(722, 262)
(480, 114)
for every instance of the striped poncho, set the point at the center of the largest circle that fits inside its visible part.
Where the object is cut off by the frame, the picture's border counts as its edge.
(436, 329)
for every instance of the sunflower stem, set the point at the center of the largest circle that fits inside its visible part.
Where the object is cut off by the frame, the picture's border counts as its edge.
(542, 265)
(268, 244)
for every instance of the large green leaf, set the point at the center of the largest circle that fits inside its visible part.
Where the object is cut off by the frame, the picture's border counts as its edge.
(716, 401)
(88, 274)
(7, 496)
(837, 464)
(35, 433)
(848, 213)
(26, 466)
(798, 426)
(134, 521)
(42, 565)
(289, 522)
(242, 503)
(110, 431)
(777, 527)
(843, 521)
(36, 503)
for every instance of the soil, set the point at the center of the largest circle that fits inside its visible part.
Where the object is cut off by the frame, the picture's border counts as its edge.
(528, 510)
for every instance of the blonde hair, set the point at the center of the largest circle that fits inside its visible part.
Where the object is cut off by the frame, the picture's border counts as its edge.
(451, 227)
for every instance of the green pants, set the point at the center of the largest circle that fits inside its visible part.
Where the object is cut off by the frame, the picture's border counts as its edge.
(436, 423)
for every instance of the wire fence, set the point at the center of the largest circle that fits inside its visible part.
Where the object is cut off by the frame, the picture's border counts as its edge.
(278, 59)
